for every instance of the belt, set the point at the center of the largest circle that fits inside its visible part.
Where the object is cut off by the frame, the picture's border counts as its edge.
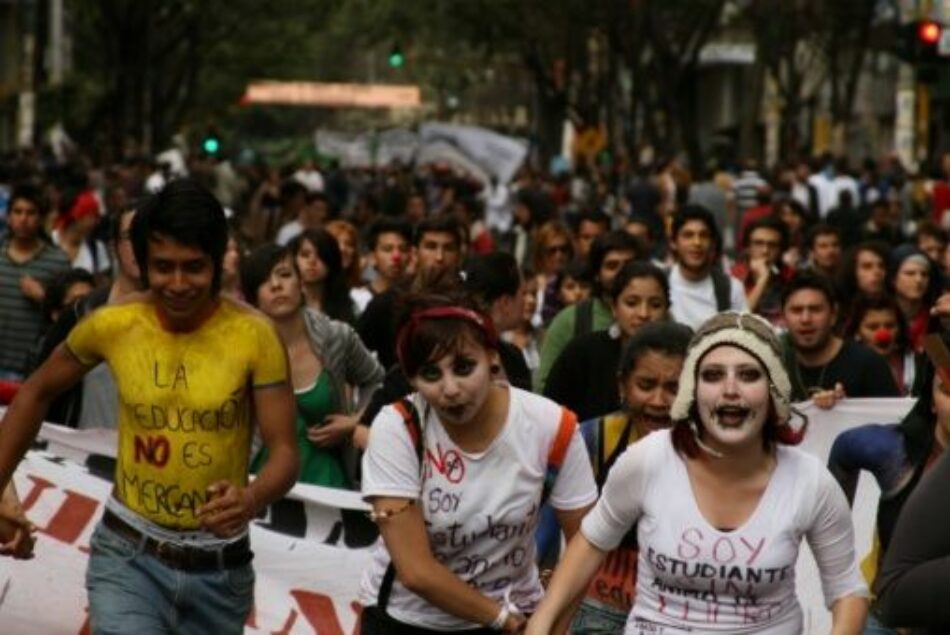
(183, 557)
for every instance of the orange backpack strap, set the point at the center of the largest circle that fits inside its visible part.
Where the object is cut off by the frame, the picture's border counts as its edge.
(558, 451)
(410, 417)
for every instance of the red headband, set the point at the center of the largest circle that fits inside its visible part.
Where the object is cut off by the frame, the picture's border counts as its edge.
(408, 330)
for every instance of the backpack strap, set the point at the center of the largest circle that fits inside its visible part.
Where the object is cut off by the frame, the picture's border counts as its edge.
(722, 288)
(584, 317)
(558, 452)
(410, 417)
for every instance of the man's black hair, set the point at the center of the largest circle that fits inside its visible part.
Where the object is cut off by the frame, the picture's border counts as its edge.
(29, 192)
(768, 222)
(697, 212)
(822, 229)
(442, 224)
(806, 279)
(388, 225)
(596, 216)
(187, 213)
(665, 338)
(491, 276)
(616, 240)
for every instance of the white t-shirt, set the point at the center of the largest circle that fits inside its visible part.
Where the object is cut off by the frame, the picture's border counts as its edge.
(695, 302)
(361, 297)
(288, 232)
(694, 578)
(481, 509)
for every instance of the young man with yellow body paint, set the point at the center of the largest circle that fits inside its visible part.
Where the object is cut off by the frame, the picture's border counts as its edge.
(194, 372)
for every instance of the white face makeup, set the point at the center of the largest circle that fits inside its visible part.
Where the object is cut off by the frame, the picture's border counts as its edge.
(732, 396)
(457, 384)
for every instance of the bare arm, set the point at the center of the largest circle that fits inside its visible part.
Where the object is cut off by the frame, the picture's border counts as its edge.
(19, 427)
(417, 569)
(23, 418)
(231, 508)
(579, 564)
(848, 615)
(570, 522)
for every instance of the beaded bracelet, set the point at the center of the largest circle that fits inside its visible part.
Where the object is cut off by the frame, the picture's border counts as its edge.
(386, 514)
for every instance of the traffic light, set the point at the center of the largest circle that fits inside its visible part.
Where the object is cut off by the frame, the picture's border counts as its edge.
(920, 41)
(211, 144)
(396, 57)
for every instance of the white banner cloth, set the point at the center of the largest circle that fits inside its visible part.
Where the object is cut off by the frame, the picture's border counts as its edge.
(309, 554)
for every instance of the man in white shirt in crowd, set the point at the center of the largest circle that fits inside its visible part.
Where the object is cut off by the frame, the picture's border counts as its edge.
(699, 288)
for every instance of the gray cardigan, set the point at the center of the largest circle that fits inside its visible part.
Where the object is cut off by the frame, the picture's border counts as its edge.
(345, 358)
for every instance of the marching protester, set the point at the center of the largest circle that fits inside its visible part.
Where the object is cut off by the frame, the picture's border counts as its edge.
(317, 257)
(897, 456)
(700, 287)
(437, 246)
(456, 474)
(388, 242)
(326, 357)
(823, 366)
(171, 552)
(877, 322)
(648, 378)
(607, 255)
(27, 262)
(583, 376)
(721, 504)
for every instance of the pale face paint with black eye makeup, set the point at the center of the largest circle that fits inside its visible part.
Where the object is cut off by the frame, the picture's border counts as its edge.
(732, 397)
(457, 384)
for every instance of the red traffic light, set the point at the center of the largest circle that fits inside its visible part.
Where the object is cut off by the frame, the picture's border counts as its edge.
(928, 32)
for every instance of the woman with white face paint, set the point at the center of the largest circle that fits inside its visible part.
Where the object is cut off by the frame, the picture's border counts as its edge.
(456, 474)
(721, 504)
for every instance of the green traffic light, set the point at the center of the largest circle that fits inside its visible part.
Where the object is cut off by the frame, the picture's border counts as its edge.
(396, 58)
(211, 145)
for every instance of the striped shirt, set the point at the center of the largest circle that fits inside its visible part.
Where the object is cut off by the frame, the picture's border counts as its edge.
(21, 322)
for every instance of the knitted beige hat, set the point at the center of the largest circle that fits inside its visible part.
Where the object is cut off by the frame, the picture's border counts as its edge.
(752, 334)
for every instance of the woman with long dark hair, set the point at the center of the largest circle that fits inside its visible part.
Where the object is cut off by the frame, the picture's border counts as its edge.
(584, 376)
(326, 356)
(317, 256)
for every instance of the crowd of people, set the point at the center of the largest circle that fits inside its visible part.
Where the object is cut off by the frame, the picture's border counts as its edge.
(610, 354)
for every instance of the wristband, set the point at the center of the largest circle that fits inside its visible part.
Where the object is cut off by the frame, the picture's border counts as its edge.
(503, 614)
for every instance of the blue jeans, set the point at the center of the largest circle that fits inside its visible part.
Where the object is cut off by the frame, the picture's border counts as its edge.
(594, 619)
(132, 592)
(874, 627)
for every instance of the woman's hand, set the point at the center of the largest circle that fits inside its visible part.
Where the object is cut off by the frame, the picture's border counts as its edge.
(335, 430)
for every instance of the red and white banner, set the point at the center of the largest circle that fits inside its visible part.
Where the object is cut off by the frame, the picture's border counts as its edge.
(310, 549)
